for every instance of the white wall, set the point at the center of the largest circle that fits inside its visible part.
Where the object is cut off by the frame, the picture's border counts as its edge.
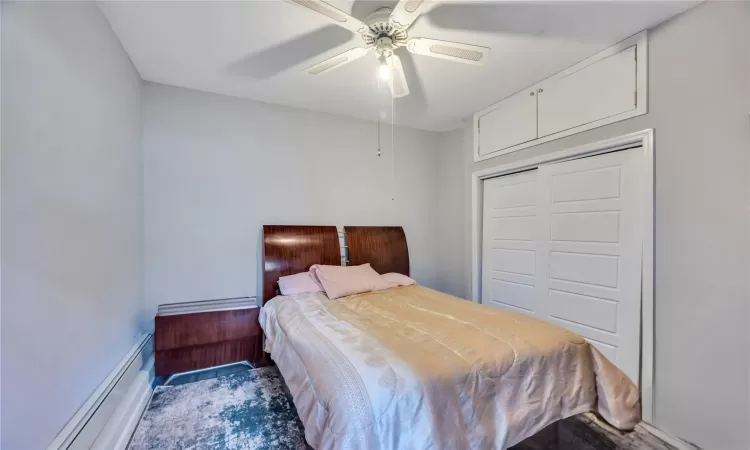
(697, 107)
(71, 213)
(218, 168)
(747, 48)
(451, 255)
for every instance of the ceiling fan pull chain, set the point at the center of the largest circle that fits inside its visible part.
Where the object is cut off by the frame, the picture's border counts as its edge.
(378, 136)
(393, 148)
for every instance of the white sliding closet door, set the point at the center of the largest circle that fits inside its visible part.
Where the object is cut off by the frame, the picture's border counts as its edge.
(590, 261)
(510, 242)
(574, 255)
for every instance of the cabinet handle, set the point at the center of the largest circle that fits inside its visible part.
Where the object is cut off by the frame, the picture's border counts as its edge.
(540, 90)
(531, 94)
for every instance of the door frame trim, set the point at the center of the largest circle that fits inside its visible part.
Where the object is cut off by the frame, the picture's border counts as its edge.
(644, 139)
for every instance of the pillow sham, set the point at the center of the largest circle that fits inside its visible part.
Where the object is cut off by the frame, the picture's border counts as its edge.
(396, 279)
(340, 281)
(299, 283)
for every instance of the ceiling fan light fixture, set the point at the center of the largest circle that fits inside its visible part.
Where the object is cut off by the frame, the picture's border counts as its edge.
(384, 71)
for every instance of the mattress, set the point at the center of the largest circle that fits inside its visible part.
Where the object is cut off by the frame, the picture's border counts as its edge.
(413, 368)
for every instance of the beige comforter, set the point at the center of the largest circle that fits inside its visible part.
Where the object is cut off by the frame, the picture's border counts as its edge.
(412, 368)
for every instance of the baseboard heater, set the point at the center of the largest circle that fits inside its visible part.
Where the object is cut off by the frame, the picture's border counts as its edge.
(109, 417)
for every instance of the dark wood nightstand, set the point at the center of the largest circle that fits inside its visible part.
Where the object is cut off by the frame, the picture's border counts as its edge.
(198, 335)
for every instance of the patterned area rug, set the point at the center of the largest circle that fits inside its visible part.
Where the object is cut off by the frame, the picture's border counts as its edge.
(242, 411)
(253, 409)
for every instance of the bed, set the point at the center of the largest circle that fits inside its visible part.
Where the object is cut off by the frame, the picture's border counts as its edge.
(413, 368)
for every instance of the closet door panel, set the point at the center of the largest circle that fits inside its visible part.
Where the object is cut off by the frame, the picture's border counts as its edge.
(591, 213)
(509, 242)
(576, 307)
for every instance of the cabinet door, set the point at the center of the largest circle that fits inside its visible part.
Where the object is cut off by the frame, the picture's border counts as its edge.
(603, 89)
(512, 122)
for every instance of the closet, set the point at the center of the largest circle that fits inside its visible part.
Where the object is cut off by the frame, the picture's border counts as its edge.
(563, 242)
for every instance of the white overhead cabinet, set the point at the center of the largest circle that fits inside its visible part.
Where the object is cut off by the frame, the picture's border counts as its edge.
(606, 88)
(512, 122)
(603, 89)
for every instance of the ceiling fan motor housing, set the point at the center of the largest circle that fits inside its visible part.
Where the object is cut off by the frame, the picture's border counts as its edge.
(383, 35)
(384, 47)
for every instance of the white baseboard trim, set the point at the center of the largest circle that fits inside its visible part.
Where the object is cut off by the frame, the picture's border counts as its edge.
(675, 442)
(117, 432)
(111, 413)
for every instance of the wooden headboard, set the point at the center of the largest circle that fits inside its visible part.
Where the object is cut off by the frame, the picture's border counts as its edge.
(290, 249)
(383, 247)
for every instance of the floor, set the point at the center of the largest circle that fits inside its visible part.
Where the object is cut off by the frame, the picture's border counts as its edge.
(183, 412)
(586, 432)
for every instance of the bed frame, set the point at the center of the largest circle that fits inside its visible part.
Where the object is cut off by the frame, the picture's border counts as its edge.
(383, 247)
(290, 249)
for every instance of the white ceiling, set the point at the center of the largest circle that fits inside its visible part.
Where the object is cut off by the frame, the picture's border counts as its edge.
(258, 50)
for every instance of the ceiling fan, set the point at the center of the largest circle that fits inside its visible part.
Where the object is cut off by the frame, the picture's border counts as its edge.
(384, 31)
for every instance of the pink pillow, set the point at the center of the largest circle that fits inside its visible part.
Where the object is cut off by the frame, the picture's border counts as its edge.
(397, 279)
(299, 283)
(341, 281)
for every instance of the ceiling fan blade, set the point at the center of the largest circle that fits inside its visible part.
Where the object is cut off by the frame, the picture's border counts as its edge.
(337, 61)
(405, 13)
(335, 15)
(397, 81)
(454, 51)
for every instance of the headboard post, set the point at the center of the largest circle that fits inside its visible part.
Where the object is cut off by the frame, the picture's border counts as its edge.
(290, 249)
